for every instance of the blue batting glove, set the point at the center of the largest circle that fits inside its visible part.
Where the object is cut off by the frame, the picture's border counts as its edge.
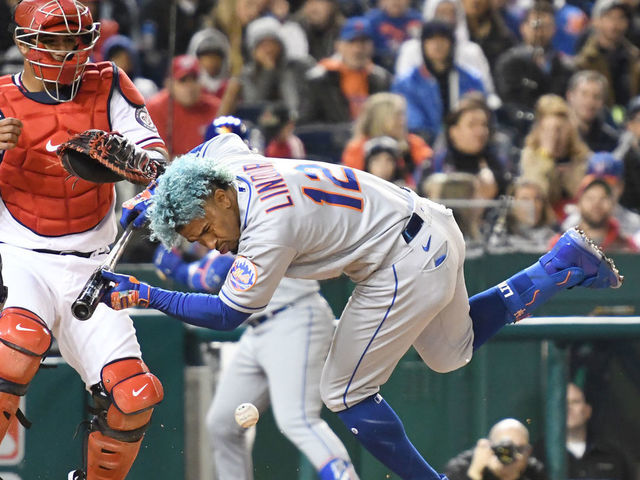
(135, 209)
(127, 291)
(209, 273)
(167, 262)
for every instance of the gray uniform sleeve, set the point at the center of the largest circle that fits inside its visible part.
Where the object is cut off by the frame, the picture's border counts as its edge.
(255, 275)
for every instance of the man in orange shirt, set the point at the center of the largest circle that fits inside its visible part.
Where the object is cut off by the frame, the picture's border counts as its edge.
(192, 107)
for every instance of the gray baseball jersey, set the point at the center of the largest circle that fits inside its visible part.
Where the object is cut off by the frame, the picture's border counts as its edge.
(316, 220)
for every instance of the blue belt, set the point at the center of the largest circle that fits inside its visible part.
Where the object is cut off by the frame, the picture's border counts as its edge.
(254, 322)
(413, 227)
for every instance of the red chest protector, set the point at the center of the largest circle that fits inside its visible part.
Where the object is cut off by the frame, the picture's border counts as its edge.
(33, 185)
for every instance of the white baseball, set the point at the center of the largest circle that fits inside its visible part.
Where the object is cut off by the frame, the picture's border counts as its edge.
(247, 415)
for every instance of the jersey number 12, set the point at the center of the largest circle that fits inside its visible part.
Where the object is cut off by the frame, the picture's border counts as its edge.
(321, 196)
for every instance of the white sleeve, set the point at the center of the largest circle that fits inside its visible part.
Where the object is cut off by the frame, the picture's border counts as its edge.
(134, 122)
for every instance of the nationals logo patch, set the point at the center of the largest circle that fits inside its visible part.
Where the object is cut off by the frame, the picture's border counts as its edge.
(243, 274)
(144, 119)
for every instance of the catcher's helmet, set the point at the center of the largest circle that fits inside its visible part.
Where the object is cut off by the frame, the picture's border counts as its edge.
(41, 22)
(227, 124)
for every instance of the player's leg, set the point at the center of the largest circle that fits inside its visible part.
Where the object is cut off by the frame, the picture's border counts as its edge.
(573, 261)
(105, 352)
(24, 336)
(241, 381)
(293, 349)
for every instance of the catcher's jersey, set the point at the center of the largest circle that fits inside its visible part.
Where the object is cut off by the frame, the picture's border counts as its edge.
(132, 120)
(304, 219)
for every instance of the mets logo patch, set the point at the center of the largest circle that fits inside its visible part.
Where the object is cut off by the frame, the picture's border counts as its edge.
(243, 274)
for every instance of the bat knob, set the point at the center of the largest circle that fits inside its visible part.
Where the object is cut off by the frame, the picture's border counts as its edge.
(81, 311)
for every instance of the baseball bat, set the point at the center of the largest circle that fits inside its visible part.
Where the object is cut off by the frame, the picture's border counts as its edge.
(89, 298)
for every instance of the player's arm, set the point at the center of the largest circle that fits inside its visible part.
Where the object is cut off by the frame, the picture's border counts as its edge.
(205, 275)
(199, 309)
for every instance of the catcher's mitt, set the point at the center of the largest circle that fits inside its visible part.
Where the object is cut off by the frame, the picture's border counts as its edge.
(105, 157)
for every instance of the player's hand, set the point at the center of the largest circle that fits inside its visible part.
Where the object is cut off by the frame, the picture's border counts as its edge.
(135, 209)
(166, 261)
(209, 273)
(10, 130)
(126, 292)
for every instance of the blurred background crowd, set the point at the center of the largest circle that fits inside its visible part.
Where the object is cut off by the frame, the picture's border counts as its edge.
(522, 115)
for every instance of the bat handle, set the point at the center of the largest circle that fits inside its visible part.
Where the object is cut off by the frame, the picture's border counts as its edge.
(89, 298)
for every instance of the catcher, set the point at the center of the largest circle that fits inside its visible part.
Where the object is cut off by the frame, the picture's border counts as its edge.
(55, 228)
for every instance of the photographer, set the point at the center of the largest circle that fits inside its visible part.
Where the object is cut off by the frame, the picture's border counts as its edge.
(505, 455)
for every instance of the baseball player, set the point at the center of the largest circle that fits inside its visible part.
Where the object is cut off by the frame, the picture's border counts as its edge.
(315, 220)
(55, 230)
(278, 361)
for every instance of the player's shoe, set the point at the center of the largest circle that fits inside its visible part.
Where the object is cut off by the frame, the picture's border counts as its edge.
(576, 261)
(76, 475)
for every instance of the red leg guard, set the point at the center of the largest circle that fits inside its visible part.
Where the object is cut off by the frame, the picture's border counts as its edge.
(8, 406)
(108, 458)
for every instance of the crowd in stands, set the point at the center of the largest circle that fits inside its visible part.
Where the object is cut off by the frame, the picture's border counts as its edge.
(523, 115)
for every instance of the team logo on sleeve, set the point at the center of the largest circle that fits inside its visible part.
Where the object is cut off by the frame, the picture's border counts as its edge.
(144, 119)
(243, 274)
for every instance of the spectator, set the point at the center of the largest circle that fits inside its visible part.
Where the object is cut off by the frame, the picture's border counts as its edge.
(528, 224)
(487, 29)
(629, 152)
(606, 166)
(231, 17)
(120, 50)
(337, 88)
(466, 53)
(321, 21)
(292, 34)
(192, 108)
(382, 157)
(269, 75)
(459, 186)
(211, 48)
(586, 95)
(531, 69)
(587, 456)
(393, 22)
(385, 114)
(596, 203)
(608, 51)
(554, 155)
(571, 24)
(504, 455)
(435, 86)
(277, 125)
(468, 148)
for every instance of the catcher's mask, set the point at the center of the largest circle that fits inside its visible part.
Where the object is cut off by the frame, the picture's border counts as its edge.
(41, 24)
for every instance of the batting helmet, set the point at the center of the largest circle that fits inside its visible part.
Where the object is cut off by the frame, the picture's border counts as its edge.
(227, 124)
(39, 26)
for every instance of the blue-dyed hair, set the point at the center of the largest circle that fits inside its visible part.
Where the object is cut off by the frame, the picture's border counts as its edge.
(181, 193)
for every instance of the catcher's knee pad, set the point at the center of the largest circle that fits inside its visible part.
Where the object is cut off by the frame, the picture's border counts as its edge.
(24, 340)
(126, 399)
(124, 402)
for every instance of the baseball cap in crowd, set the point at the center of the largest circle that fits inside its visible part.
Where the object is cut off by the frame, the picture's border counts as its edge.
(604, 164)
(377, 145)
(434, 28)
(603, 6)
(184, 65)
(355, 28)
(261, 29)
(633, 108)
